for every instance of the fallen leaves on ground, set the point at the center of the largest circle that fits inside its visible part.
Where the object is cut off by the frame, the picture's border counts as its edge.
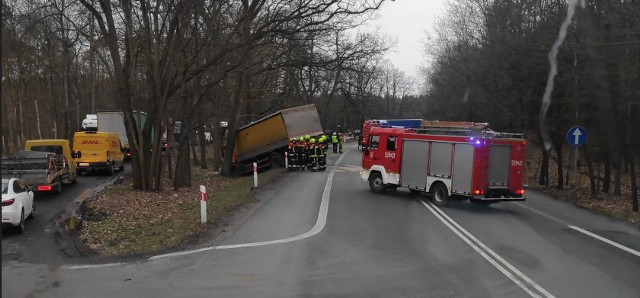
(122, 220)
(578, 191)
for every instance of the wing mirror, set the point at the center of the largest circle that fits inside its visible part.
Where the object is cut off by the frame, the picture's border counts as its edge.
(76, 154)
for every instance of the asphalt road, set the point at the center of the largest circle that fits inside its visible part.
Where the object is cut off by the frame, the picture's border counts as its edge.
(38, 242)
(351, 242)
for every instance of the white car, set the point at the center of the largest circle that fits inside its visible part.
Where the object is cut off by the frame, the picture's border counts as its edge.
(17, 204)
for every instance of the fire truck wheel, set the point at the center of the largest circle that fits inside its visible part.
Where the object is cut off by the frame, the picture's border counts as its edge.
(440, 195)
(376, 184)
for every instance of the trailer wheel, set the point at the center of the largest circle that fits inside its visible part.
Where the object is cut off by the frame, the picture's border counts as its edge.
(376, 184)
(236, 170)
(275, 161)
(440, 195)
(59, 186)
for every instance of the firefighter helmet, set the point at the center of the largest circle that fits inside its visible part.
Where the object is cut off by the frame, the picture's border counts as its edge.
(307, 137)
(301, 138)
(312, 141)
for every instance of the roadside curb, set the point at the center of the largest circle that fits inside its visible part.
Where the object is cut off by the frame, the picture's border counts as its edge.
(69, 222)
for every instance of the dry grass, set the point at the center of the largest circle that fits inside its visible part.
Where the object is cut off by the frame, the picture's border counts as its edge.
(122, 220)
(578, 191)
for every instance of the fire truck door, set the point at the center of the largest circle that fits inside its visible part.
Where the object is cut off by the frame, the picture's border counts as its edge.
(391, 160)
(370, 154)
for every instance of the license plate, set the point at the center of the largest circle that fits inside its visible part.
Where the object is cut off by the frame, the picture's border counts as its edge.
(84, 164)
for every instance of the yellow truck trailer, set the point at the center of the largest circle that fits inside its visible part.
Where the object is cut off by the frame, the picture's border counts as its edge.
(265, 140)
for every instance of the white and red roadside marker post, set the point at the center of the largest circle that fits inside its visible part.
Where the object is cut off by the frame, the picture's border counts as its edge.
(286, 160)
(255, 175)
(203, 204)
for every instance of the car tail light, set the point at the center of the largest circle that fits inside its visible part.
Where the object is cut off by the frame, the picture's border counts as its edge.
(478, 192)
(44, 188)
(519, 191)
(8, 202)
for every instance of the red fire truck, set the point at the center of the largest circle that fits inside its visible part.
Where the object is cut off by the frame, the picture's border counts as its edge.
(472, 162)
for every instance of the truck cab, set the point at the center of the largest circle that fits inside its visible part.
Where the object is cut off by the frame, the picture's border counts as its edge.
(381, 156)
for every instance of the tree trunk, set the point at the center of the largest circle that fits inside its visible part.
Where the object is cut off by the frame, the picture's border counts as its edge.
(560, 164)
(192, 147)
(216, 135)
(634, 184)
(183, 165)
(618, 170)
(233, 124)
(606, 184)
(38, 119)
(592, 178)
(544, 169)
(202, 142)
(170, 144)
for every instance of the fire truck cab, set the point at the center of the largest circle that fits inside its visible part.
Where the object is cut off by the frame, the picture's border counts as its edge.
(473, 163)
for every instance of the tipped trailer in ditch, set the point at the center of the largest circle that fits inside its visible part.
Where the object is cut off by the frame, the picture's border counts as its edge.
(265, 141)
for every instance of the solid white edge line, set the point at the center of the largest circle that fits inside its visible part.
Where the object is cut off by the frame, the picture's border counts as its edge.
(482, 253)
(576, 228)
(73, 267)
(320, 223)
(495, 255)
(605, 240)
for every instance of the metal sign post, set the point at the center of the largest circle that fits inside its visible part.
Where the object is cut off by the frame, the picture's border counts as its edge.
(576, 136)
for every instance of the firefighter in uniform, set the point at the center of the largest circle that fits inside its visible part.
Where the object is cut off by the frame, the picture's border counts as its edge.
(301, 154)
(313, 155)
(307, 151)
(291, 154)
(322, 153)
(334, 140)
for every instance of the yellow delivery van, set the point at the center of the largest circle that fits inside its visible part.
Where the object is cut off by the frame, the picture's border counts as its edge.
(97, 151)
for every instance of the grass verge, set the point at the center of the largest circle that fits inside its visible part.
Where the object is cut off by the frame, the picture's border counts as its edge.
(124, 221)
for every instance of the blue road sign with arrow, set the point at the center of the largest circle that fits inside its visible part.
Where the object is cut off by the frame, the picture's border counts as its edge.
(576, 136)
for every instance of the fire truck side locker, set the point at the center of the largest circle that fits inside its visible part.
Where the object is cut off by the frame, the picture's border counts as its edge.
(422, 167)
(463, 157)
(415, 156)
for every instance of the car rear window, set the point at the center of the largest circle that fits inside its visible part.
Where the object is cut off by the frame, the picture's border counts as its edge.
(49, 148)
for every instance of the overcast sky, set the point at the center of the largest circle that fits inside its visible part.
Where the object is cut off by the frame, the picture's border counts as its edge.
(407, 20)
